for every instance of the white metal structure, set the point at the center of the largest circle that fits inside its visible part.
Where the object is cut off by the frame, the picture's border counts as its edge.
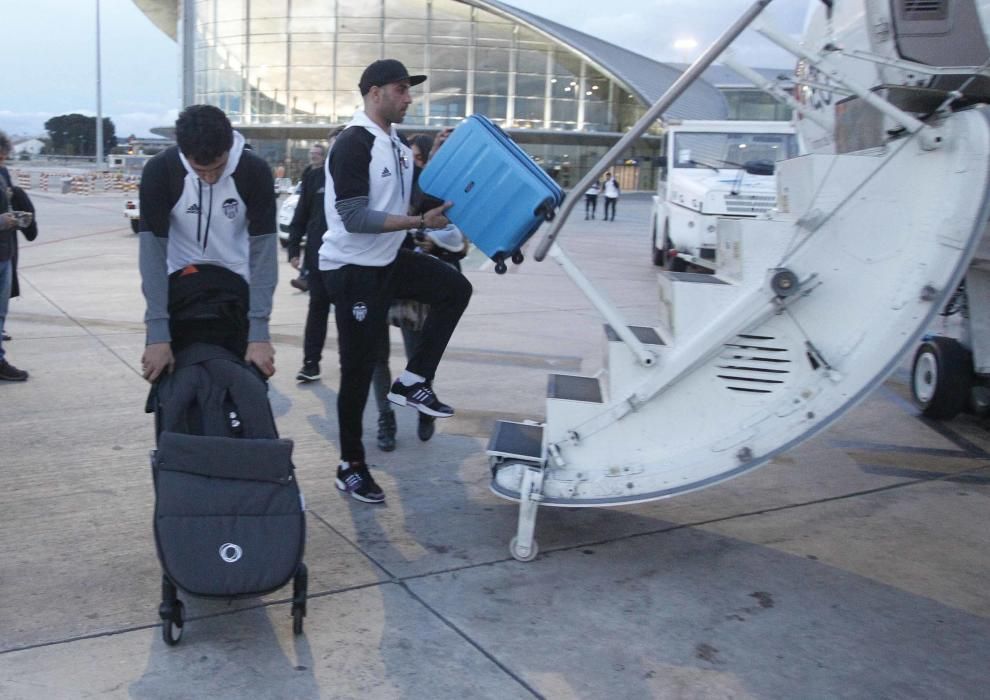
(810, 305)
(713, 169)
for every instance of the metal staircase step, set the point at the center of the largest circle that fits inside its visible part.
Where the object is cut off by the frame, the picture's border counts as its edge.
(574, 388)
(644, 334)
(517, 441)
(693, 277)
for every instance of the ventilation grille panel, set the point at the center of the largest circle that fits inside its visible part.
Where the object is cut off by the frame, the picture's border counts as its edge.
(924, 10)
(754, 364)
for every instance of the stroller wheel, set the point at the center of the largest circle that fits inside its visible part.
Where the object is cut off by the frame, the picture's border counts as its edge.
(172, 622)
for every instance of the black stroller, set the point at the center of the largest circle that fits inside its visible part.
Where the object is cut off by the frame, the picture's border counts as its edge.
(229, 517)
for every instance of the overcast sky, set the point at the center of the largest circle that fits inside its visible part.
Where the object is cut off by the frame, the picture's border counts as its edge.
(50, 50)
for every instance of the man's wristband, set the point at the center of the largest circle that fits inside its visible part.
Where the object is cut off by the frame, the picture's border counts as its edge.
(422, 222)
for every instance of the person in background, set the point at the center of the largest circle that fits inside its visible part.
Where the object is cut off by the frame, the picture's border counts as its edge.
(10, 222)
(309, 223)
(317, 154)
(611, 188)
(591, 199)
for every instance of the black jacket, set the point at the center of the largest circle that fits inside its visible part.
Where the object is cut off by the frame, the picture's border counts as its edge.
(309, 220)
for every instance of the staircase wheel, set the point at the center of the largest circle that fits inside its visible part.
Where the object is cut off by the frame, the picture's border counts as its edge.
(515, 552)
(941, 377)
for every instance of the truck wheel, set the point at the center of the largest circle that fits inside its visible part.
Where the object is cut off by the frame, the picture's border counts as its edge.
(941, 375)
(671, 262)
(134, 225)
(657, 253)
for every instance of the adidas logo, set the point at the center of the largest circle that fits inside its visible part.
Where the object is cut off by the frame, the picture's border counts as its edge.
(194, 209)
(386, 172)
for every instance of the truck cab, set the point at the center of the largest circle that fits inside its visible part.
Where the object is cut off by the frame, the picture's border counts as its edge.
(713, 169)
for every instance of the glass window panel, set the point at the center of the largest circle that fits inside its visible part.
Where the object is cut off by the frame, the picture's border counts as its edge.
(356, 8)
(348, 103)
(491, 59)
(349, 27)
(312, 8)
(566, 64)
(564, 87)
(348, 78)
(312, 54)
(563, 111)
(531, 61)
(405, 29)
(502, 33)
(413, 56)
(264, 55)
(261, 26)
(230, 28)
(491, 83)
(458, 31)
(529, 109)
(447, 81)
(357, 54)
(596, 116)
(269, 8)
(409, 9)
(531, 85)
(449, 56)
(310, 78)
(306, 28)
(492, 106)
(449, 10)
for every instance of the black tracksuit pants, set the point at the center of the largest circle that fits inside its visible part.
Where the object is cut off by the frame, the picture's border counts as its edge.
(361, 297)
(317, 315)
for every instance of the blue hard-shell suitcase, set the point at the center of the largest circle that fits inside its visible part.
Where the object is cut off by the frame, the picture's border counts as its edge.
(500, 195)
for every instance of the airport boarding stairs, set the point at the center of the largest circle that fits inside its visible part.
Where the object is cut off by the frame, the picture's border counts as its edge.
(809, 308)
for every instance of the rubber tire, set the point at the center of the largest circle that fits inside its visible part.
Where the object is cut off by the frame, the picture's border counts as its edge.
(657, 254)
(672, 263)
(500, 268)
(941, 377)
(534, 550)
(517, 258)
(135, 225)
(175, 623)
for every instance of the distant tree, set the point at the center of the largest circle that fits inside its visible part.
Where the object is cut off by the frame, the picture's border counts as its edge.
(75, 134)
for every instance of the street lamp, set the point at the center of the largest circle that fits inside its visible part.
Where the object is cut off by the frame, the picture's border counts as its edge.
(99, 98)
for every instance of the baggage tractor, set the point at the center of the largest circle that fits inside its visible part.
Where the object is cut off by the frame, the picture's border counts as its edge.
(229, 518)
(500, 195)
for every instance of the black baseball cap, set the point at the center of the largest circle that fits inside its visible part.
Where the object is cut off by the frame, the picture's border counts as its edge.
(385, 71)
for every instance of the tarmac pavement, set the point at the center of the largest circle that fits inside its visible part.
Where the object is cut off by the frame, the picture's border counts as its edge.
(854, 566)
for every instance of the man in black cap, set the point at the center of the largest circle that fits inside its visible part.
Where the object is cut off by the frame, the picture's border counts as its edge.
(369, 181)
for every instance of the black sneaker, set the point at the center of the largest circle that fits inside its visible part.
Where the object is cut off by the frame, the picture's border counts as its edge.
(421, 397)
(356, 480)
(386, 431)
(310, 372)
(300, 283)
(10, 373)
(426, 426)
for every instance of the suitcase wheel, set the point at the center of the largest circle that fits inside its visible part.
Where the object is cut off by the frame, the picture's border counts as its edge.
(517, 257)
(545, 210)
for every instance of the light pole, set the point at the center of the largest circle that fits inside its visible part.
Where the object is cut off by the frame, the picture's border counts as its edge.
(99, 98)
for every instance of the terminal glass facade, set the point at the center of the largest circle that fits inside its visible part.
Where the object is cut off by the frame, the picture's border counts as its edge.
(269, 62)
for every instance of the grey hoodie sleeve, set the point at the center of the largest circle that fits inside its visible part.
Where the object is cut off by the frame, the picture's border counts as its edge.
(154, 285)
(263, 265)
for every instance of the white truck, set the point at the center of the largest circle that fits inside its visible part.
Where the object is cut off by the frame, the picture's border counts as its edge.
(713, 169)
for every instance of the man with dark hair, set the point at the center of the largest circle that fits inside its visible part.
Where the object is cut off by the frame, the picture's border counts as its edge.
(208, 247)
(368, 188)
